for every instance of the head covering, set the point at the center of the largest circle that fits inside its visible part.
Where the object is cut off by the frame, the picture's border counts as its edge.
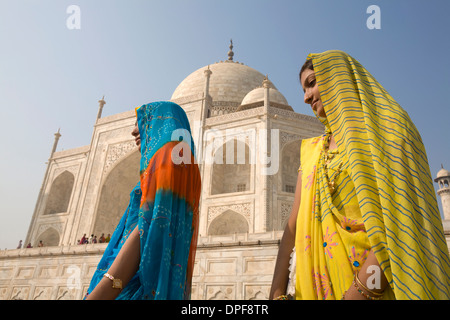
(168, 216)
(163, 206)
(160, 123)
(389, 168)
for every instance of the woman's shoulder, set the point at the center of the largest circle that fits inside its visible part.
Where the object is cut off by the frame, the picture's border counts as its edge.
(313, 140)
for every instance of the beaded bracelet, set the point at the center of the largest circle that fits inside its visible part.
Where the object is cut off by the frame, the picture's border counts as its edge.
(363, 293)
(373, 293)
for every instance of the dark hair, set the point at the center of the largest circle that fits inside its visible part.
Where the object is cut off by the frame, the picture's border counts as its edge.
(307, 65)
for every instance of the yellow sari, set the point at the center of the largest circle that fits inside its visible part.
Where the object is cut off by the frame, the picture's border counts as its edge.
(374, 192)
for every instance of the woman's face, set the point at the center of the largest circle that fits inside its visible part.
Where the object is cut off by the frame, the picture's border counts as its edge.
(137, 137)
(311, 90)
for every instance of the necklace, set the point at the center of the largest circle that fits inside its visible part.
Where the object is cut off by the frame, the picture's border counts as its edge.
(327, 157)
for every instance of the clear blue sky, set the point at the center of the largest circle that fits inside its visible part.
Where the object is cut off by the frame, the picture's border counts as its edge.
(135, 52)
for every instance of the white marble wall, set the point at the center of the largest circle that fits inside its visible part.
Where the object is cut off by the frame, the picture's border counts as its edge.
(227, 267)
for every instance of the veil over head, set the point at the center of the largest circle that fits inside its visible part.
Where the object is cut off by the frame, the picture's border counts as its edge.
(390, 171)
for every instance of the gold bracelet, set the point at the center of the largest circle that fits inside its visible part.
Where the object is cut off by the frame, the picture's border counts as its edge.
(365, 295)
(282, 297)
(117, 283)
(376, 294)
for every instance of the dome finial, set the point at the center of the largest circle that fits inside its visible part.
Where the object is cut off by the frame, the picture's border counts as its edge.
(231, 53)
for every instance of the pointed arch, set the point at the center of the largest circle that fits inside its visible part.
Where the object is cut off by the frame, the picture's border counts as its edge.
(115, 193)
(290, 162)
(231, 170)
(60, 193)
(50, 237)
(228, 222)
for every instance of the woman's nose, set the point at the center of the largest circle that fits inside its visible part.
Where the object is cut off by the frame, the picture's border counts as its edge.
(307, 97)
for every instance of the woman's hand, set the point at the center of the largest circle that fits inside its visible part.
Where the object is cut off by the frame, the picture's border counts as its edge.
(371, 268)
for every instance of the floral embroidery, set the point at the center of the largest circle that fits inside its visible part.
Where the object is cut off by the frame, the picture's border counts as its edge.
(322, 285)
(352, 225)
(328, 244)
(357, 259)
(308, 242)
(310, 179)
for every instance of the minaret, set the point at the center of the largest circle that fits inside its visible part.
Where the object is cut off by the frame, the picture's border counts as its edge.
(266, 86)
(207, 73)
(101, 103)
(55, 143)
(443, 180)
(206, 103)
(41, 190)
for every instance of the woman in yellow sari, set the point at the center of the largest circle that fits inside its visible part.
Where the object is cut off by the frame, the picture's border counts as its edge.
(365, 222)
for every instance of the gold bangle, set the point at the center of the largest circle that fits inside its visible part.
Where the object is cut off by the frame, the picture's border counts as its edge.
(282, 297)
(376, 294)
(117, 283)
(365, 295)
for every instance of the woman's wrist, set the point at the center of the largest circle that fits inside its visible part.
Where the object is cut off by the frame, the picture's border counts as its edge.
(281, 297)
(360, 290)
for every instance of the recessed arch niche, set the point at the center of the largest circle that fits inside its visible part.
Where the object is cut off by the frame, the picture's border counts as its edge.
(290, 162)
(50, 237)
(60, 193)
(115, 194)
(231, 169)
(228, 222)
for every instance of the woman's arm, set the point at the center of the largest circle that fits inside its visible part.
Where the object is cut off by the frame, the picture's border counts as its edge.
(370, 269)
(124, 268)
(281, 273)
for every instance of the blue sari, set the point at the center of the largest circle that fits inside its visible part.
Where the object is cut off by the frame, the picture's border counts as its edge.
(163, 206)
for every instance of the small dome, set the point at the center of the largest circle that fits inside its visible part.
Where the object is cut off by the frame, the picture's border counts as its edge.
(255, 99)
(443, 173)
(257, 95)
(230, 81)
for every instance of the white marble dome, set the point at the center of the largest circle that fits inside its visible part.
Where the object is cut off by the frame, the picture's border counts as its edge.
(257, 95)
(230, 81)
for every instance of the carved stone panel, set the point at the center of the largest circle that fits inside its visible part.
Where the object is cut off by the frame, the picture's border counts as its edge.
(116, 152)
(256, 292)
(220, 292)
(42, 293)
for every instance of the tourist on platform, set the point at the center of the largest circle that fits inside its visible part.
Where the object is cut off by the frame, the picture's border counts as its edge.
(365, 223)
(151, 253)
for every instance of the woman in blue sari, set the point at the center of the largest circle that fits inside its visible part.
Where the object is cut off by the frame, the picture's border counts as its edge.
(152, 251)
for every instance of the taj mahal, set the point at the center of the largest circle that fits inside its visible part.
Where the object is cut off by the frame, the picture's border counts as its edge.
(248, 140)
